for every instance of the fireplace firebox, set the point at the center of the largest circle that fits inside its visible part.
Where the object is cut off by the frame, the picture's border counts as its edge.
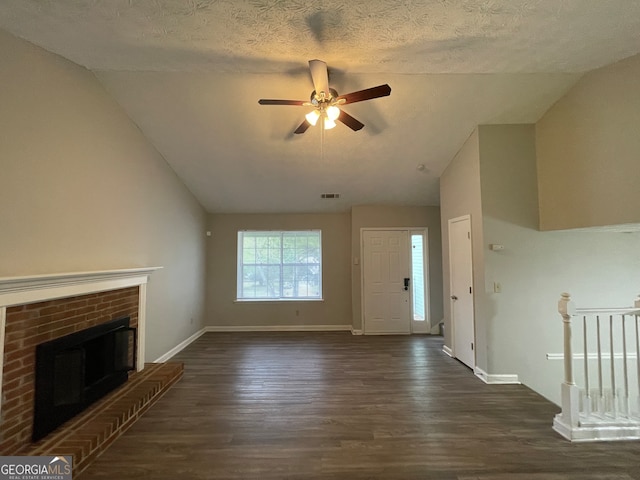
(74, 371)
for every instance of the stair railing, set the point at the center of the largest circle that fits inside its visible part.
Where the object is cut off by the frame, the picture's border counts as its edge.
(604, 402)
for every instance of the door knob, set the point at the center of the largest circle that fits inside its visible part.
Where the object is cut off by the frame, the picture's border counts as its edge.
(406, 284)
(453, 297)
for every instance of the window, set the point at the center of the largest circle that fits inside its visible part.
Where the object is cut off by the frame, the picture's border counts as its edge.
(283, 265)
(417, 276)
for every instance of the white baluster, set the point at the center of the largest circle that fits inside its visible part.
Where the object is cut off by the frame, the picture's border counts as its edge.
(624, 367)
(614, 395)
(600, 406)
(587, 406)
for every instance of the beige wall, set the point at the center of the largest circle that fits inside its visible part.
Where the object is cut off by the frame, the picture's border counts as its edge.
(372, 216)
(598, 268)
(509, 211)
(460, 195)
(493, 178)
(81, 189)
(224, 311)
(588, 148)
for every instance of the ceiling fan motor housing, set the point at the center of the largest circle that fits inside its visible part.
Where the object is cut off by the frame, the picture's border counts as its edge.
(319, 98)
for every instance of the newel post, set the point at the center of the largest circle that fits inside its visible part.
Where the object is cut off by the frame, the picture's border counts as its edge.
(570, 393)
(566, 310)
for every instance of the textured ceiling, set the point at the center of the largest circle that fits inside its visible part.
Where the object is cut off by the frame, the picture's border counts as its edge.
(371, 36)
(189, 74)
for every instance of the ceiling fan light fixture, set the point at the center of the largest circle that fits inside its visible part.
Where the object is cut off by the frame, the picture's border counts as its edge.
(312, 117)
(333, 112)
(329, 124)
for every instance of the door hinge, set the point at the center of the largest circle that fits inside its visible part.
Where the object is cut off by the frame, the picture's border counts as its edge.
(469, 235)
(469, 289)
(471, 345)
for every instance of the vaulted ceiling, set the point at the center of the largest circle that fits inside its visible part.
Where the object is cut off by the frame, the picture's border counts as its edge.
(189, 73)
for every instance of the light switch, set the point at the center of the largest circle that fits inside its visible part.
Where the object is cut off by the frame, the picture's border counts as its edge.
(497, 287)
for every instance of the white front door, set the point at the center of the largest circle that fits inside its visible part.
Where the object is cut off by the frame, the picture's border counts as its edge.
(387, 300)
(461, 275)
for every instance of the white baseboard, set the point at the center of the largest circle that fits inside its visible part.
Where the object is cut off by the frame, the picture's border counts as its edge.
(595, 433)
(356, 331)
(259, 328)
(498, 379)
(448, 351)
(181, 346)
(278, 328)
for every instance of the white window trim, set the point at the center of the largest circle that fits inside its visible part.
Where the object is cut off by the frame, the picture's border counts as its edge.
(239, 265)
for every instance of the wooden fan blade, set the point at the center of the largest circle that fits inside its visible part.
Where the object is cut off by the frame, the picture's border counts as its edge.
(349, 121)
(267, 101)
(319, 76)
(303, 127)
(367, 94)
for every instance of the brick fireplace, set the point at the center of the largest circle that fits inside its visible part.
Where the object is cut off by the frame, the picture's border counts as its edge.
(38, 309)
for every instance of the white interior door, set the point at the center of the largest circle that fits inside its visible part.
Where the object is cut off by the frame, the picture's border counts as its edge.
(461, 275)
(387, 301)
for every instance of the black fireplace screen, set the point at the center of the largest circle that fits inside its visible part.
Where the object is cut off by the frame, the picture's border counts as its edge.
(74, 371)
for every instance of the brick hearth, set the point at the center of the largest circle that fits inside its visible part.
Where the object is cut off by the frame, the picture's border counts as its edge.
(89, 434)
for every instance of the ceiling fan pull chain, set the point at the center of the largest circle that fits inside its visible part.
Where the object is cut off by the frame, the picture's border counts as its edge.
(322, 143)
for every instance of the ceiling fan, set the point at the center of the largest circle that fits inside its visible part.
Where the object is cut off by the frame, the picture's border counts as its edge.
(326, 102)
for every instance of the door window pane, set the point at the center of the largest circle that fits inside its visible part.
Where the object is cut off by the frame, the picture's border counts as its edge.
(417, 274)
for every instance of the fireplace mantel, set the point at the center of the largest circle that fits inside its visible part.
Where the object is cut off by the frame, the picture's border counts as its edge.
(38, 288)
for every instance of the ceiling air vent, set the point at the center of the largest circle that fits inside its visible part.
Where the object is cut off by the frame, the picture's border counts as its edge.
(330, 195)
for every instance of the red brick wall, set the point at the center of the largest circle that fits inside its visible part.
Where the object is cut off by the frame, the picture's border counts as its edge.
(30, 325)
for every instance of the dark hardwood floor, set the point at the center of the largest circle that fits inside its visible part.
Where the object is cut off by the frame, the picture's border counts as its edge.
(318, 406)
